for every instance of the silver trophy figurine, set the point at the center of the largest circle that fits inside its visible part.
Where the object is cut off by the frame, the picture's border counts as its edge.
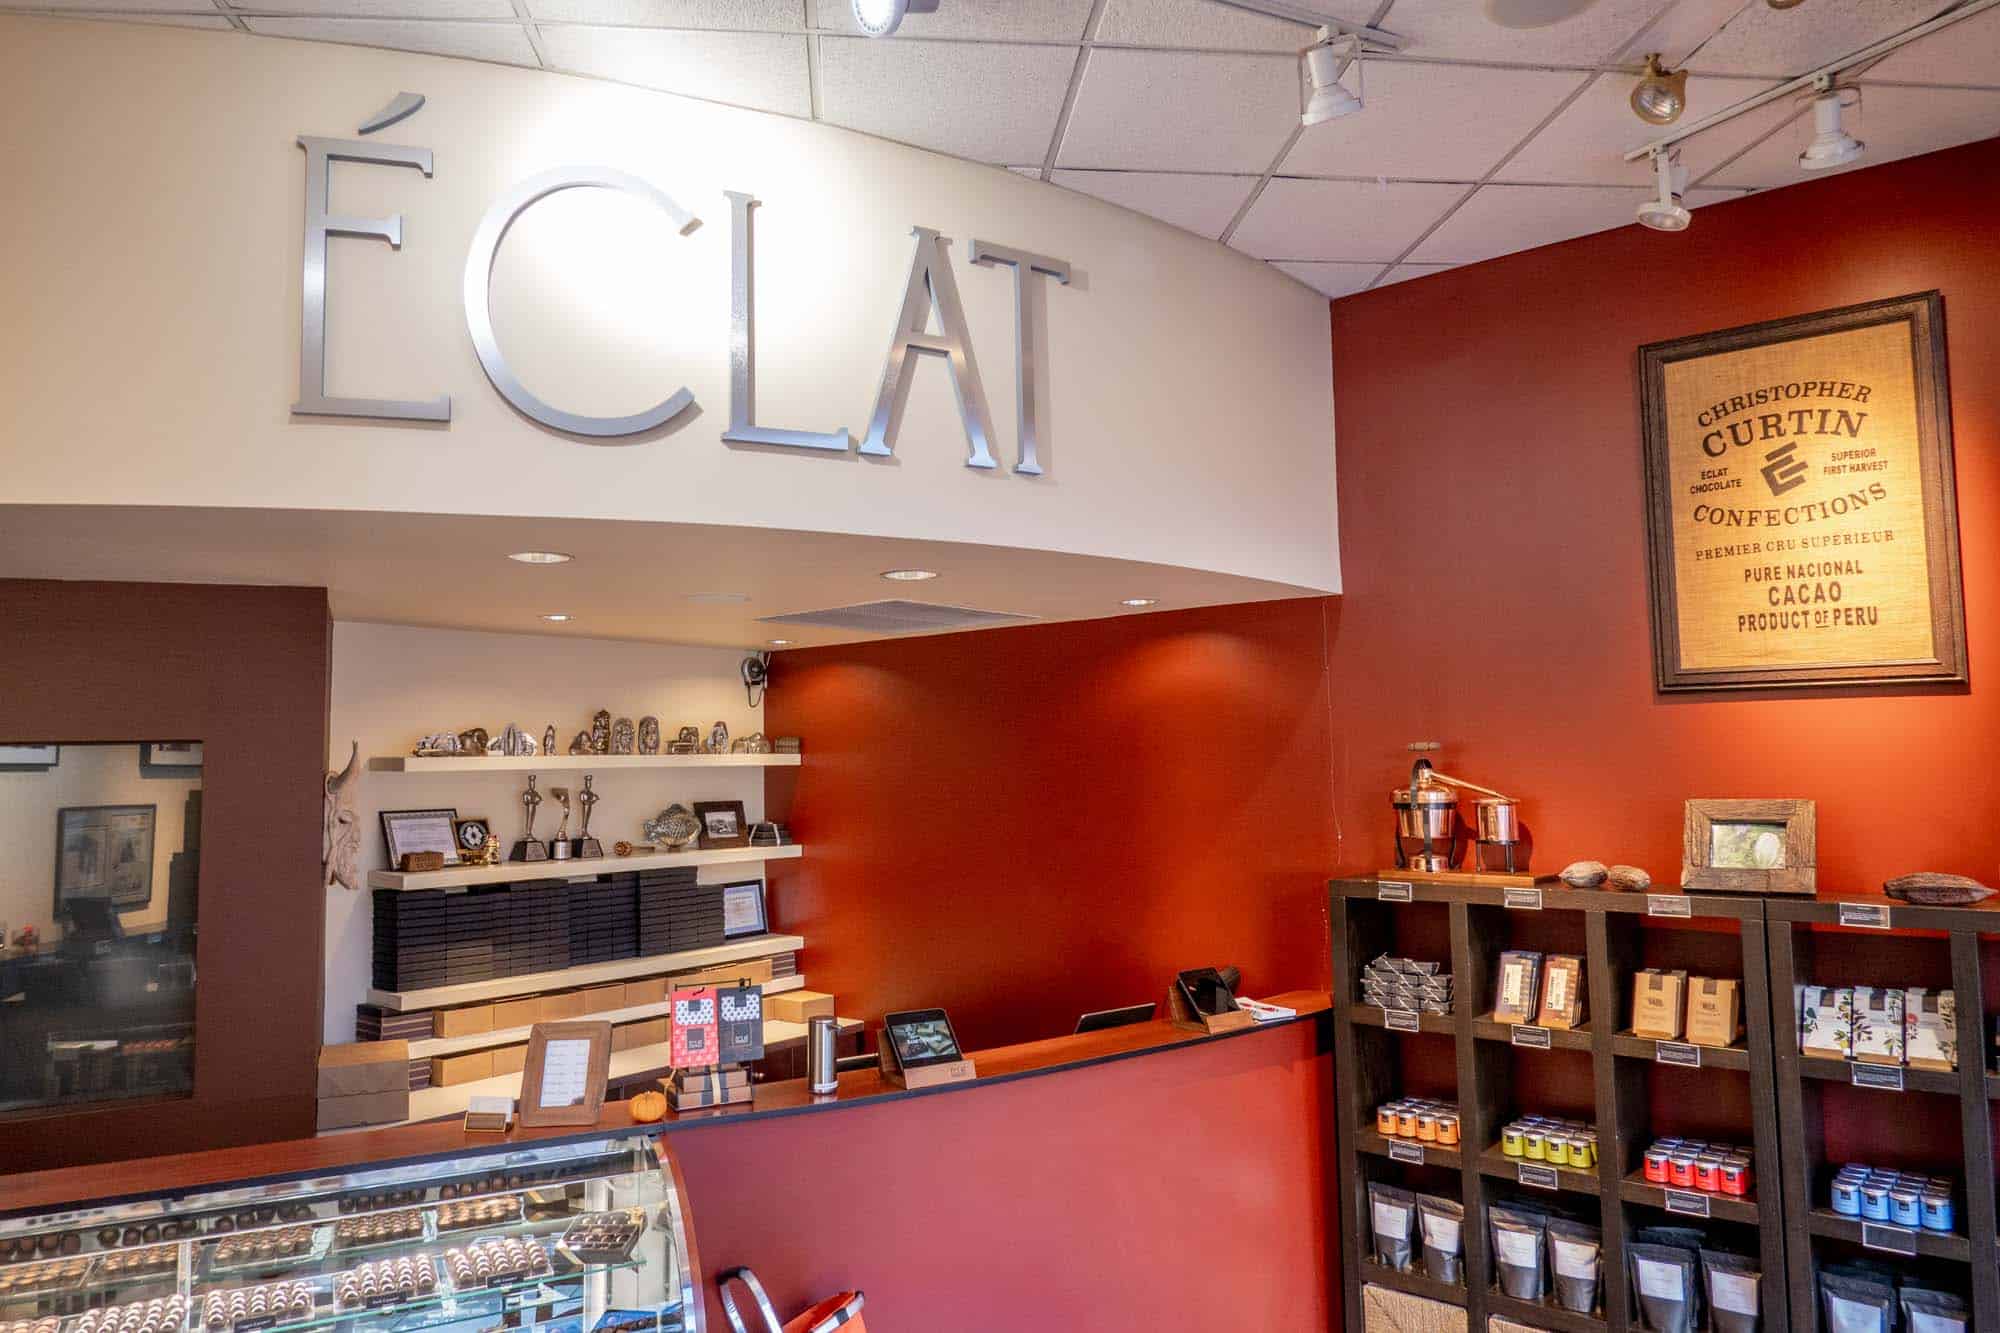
(530, 848)
(587, 846)
(559, 848)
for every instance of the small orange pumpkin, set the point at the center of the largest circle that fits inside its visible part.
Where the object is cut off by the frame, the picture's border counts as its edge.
(648, 1106)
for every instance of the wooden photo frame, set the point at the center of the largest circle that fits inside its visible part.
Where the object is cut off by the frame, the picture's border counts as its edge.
(1801, 502)
(716, 815)
(567, 1068)
(1750, 847)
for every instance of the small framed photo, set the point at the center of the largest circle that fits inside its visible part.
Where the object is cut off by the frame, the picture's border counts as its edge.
(105, 851)
(470, 834)
(743, 909)
(170, 759)
(406, 831)
(1749, 846)
(568, 1065)
(29, 758)
(722, 824)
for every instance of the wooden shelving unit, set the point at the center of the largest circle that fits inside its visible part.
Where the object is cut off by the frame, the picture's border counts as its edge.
(589, 974)
(563, 763)
(512, 872)
(1942, 1120)
(1599, 1073)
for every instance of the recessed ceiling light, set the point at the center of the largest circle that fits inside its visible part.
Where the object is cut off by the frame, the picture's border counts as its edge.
(1831, 145)
(1665, 212)
(724, 598)
(557, 617)
(1325, 62)
(1660, 96)
(908, 575)
(881, 18)
(781, 643)
(541, 557)
(1140, 601)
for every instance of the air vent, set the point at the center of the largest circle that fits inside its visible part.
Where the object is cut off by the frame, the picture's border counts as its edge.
(899, 617)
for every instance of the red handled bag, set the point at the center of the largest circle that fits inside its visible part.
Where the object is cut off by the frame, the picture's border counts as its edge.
(835, 1312)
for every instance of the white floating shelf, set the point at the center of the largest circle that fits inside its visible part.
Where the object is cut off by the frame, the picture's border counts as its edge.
(590, 974)
(436, 1103)
(508, 872)
(550, 763)
(477, 1041)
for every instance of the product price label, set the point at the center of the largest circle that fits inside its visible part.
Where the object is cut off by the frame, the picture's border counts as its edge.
(1522, 900)
(1868, 916)
(1669, 904)
(1534, 1038)
(1890, 1240)
(1413, 1153)
(1395, 890)
(1537, 1177)
(1681, 1053)
(1883, 1078)
(1685, 1201)
(1402, 1020)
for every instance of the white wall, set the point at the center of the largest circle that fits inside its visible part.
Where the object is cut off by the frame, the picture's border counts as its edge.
(86, 775)
(393, 684)
(152, 291)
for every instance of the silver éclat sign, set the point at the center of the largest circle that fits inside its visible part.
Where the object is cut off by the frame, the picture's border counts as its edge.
(929, 288)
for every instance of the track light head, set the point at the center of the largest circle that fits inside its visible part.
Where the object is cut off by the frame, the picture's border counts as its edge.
(1660, 96)
(1534, 13)
(1324, 63)
(1665, 212)
(1831, 145)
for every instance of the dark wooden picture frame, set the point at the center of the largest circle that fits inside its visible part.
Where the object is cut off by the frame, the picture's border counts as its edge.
(171, 759)
(596, 1076)
(96, 820)
(708, 842)
(1923, 313)
(1795, 822)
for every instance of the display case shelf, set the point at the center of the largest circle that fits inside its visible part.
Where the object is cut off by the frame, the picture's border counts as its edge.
(1488, 1028)
(1631, 1047)
(1933, 1244)
(1539, 1314)
(1635, 1188)
(551, 763)
(1371, 1141)
(588, 974)
(510, 872)
(1368, 1015)
(1497, 1165)
(1943, 1082)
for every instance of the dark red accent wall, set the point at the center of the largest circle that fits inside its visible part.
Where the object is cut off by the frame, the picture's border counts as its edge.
(1023, 824)
(1494, 548)
(246, 671)
(1177, 1190)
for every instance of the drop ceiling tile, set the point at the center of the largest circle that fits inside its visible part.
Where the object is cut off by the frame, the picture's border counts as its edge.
(1032, 173)
(755, 15)
(144, 5)
(1502, 219)
(1893, 122)
(991, 102)
(213, 22)
(1460, 30)
(993, 20)
(1210, 25)
(764, 71)
(1586, 143)
(1333, 280)
(1967, 52)
(1404, 272)
(1680, 28)
(1181, 111)
(1433, 122)
(1200, 204)
(1762, 40)
(501, 42)
(388, 9)
(1340, 220)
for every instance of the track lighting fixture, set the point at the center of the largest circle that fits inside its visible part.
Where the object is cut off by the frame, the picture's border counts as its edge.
(1831, 145)
(1324, 62)
(1665, 212)
(1659, 97)
(881, 18)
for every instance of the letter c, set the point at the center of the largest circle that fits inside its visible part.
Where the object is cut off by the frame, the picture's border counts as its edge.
(478, 308)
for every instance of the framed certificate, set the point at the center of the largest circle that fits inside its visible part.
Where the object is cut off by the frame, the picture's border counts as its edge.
(567, 1068)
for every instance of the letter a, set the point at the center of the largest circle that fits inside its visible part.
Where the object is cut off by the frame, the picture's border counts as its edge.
(931, 286)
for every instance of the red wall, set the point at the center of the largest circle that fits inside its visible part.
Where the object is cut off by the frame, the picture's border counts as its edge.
(1023, 824)
(1181, 1189)
(1494, 548)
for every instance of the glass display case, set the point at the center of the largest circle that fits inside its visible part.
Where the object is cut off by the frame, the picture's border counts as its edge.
(572, 1236)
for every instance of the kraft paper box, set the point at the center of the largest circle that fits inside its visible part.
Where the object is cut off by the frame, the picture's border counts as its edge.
(1658, 1004)
(470, 1021)
(646, 1032)
(796, 1006)
(373, 1108)
(647, 990)
(467, 1068)
(1930, 1029)
(1826, 1021)
(510, 1059)
(516, 1013)
(1562, 992)
(602, 999)
(1878, 1025)
(565, 1005)
(1715, 1011)
(364, 1067)
(753, 971)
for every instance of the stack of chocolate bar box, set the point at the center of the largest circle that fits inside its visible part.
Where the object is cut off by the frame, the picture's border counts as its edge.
(603, 924)
(677, 914)
(1407, 985)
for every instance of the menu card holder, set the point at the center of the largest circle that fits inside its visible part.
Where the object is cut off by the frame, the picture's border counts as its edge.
(960, 1070)
(1184, 1016)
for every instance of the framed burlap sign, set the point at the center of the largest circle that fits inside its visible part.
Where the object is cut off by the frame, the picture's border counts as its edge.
(1801, 502)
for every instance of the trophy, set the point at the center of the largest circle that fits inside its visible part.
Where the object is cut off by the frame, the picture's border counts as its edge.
(585, 845)
(559, 848)
(530, 848)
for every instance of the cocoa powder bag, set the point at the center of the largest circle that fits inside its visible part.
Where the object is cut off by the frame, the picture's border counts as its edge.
(1443, 1224)
(1392, 1215)
(1734, 1298)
